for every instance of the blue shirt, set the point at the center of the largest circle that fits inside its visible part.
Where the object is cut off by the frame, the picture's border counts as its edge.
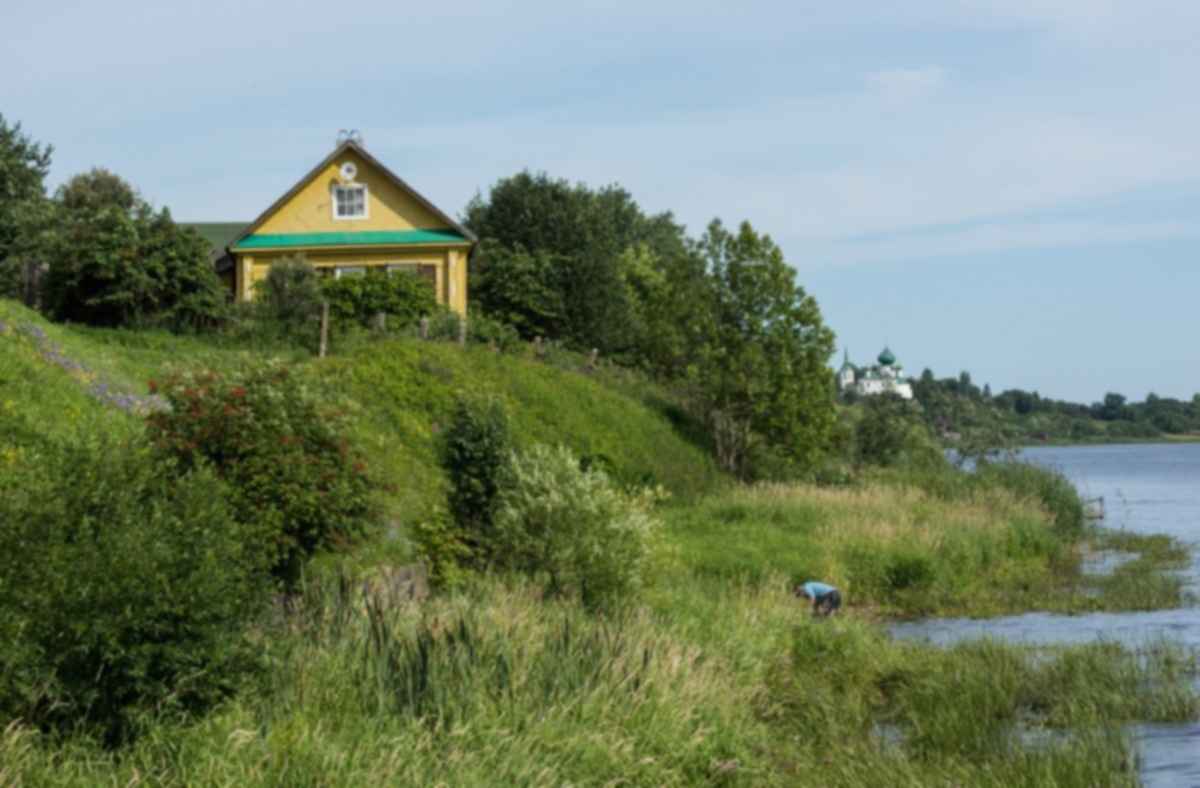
(817, 590)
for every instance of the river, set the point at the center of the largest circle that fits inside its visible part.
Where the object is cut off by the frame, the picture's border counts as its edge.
(1147, 488)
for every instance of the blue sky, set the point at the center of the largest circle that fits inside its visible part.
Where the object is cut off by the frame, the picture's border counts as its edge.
(1010, 187)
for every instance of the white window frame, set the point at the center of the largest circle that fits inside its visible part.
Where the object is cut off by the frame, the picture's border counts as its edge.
(333, 201)
(349, 270)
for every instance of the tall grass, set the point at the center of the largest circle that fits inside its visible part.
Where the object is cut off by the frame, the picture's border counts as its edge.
(496, 686)
(985, 548)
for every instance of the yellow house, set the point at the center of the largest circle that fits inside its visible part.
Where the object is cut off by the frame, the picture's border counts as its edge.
(347, 215)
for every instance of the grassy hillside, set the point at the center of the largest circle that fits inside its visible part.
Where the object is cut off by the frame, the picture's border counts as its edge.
(717, 675)
(399, 391)
(406, 388)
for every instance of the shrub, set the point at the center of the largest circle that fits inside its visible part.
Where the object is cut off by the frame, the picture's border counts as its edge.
(444, 548)
(481, 329)
(486, 331)
(291, 292)
(125, 587)
(571, 527)
(474, 451)
(404, 297)
(887, 432)
(281, 447)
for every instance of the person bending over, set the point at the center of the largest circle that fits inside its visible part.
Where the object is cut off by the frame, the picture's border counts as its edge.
(825, 598)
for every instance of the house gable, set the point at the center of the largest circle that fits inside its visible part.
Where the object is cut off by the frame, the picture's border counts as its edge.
(310, 209)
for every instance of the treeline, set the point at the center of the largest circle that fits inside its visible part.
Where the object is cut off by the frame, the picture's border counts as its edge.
(956, 406)
(95, 252)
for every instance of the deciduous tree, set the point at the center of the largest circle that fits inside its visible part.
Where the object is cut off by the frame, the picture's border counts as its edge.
(760, 373)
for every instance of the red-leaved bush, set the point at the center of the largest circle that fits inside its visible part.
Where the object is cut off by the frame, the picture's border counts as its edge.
(280, 446)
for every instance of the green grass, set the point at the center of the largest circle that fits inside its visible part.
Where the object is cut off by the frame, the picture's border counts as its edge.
(716, 676)
(399, 391)
(903, 551)
(405, 390)
(41, 401)
(496, 686)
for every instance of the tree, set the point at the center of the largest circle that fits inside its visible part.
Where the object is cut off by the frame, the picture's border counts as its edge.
(520, 287)
(96, 190)
(1113, 408)
(24, 209)
(114, 261)
(550, 259)
(885, 432)
(760, 374)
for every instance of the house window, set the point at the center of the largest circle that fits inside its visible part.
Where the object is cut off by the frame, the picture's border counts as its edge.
(349, 270)
(426, 272)
(350, 202)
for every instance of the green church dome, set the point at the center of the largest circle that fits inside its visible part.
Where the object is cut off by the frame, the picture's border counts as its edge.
(886, 358)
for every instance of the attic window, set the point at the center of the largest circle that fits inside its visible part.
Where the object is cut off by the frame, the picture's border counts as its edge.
(350, 202)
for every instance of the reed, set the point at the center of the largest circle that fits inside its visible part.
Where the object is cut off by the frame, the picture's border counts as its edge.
(496, 686)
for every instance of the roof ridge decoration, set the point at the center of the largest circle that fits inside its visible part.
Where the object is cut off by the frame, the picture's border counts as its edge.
(351, 145)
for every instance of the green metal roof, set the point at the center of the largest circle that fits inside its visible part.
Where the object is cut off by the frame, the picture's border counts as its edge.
(218, 234)
(365, 238)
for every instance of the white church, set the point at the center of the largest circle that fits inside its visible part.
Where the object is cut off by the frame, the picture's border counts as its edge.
(884, 377)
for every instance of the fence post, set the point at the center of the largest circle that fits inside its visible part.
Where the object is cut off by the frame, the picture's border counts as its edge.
(462, 330)
(593, 358)
(380, 322)
(324, 329)
(424, 328)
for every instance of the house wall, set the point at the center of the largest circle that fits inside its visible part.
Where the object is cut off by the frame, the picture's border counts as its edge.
(388, 207)
(450, 263)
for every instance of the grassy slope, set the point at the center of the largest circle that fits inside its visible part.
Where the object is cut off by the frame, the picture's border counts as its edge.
(399, 390)
(407, 388)
(39, 399)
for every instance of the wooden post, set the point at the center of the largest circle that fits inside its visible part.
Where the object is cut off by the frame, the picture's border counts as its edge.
(462, 330)
(538, 351)
(380, 322)
(324, 329)
(424, 328)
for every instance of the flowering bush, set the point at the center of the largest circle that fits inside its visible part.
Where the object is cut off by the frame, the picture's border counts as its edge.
(280, 446)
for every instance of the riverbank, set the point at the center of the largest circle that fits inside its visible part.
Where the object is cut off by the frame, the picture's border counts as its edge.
(718, 675)
(1117, 441)
(497, 686)
(952, 548)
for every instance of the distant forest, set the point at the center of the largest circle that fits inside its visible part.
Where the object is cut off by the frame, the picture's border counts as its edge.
(956, 406)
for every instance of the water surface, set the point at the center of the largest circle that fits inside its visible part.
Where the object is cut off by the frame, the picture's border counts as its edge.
(1147, 488)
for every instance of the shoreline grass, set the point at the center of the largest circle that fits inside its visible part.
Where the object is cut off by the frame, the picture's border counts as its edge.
(497, 686)
(907, 553)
